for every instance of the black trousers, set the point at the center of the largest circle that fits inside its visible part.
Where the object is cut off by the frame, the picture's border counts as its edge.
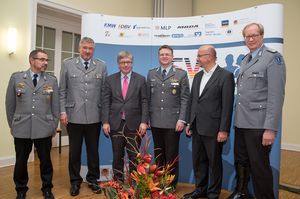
(90, 134)
(122, 140)
(166, 148)
(207, 164)
(23, 148)
(249, 152)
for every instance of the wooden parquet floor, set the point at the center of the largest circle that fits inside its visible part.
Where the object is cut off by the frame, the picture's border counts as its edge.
(290, 174)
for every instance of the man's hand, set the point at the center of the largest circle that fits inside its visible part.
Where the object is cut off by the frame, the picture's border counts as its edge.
(143, 129)
(106, 129)
(268, 137)
(188, 131)
(222, 136)
(179, 126)
(63, 119)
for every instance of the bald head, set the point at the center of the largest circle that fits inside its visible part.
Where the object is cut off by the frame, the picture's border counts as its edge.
(207, 56)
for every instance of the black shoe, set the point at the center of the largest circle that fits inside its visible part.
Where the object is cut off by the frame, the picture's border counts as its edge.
(95, 188)
(238, 195)
(195, 194)
(21, 195)
(48, 195)
(74, 190)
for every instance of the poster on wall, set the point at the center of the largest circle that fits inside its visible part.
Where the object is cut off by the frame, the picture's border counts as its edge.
(143, 36)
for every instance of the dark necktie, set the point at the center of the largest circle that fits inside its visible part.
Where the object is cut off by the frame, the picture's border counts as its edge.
(86, 65)
(34, 80)
(164, 73)
(249, 58)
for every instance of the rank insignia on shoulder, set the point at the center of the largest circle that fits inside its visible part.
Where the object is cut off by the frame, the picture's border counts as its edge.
(278, 60)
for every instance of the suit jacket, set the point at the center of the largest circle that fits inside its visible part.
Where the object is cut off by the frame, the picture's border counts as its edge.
(80, 90)
(212, 111)
(134, 105)
(168, 98)
(260, 91)
(32, 112)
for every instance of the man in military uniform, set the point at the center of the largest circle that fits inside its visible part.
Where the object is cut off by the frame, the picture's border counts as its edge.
(259, 101)
(168, 95)
(80, 89)
(32, 109)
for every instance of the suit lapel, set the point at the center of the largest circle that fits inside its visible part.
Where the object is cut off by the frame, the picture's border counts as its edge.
(197, 84)
(212, 79)
(171, 73)
(255, 59)
(158, 74)
(41, 81)
(118, 86)
(28, 80)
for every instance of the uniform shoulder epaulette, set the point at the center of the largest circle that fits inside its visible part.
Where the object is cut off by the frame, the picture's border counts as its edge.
(271, 50)
(155, 68)
(51, 74)
(18, 72)
(100, 60)
(69, 58)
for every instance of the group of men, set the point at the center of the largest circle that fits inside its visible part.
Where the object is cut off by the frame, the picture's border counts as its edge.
(126, 104)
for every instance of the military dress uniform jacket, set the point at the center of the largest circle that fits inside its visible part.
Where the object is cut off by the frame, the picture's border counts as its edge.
(260, 91)
(168, 98)
(80, 90)
(32, 112)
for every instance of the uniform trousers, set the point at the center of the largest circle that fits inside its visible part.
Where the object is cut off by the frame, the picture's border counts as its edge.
(23, 148)
(90, 133)
(249, 152)
(166, 149)
(124, 139)
(207, 164)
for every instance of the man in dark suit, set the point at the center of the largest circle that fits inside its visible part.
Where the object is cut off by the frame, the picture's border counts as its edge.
(80, 88)
(168, 95)
(32, 109)
(259, 101)
(125, 113)
(209, 117)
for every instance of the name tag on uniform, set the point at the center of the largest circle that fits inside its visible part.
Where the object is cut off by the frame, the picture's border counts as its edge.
(175, 83)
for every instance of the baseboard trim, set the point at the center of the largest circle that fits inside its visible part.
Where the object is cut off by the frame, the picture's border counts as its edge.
(290, 147)
(7, 161)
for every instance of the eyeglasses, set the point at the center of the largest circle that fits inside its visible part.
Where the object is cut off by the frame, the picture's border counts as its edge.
(252, 36)
(42, 59)
(198, 56)
(125, 62)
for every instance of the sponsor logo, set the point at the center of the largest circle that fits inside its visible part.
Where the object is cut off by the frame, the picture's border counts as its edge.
(163, 27)
(209, 25)
(107, 34)
(161, 36)
(177, 35)
(187, 26)
(143, 34)
(229, 31)
(225, 23)
(140, 27)
(190, 70)
(124, 26)
(109, 25)
(212, 33)
(241, 21)
(197, 34)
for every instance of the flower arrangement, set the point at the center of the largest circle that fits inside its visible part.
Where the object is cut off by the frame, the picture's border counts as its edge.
(148, 181)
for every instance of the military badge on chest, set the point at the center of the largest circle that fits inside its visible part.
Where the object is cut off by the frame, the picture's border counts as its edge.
(48, 90)
(20, 89)
(174, 85)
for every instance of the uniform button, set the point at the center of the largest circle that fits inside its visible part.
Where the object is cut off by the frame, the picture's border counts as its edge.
(162, 92)
(86, 76)
(254, 75)
(239, 103)
(33, 93)
(32, 113)
(162, 100)
(33, 100)
(163, 84)
(86, 100)
(85, 83)
(33, 107)
(260, 106)
(242, 76)
(239, 94)
(162, 108)
(85, 91)
(240, 85)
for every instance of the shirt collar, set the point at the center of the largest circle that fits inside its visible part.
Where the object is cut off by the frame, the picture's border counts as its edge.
(32, 73)
(82, 61)
(254, 53)
(211, 70)
(167, 69)
(128, 75)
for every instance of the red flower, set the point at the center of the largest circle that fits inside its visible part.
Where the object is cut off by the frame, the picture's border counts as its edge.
(141, 169)
(147, 158)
